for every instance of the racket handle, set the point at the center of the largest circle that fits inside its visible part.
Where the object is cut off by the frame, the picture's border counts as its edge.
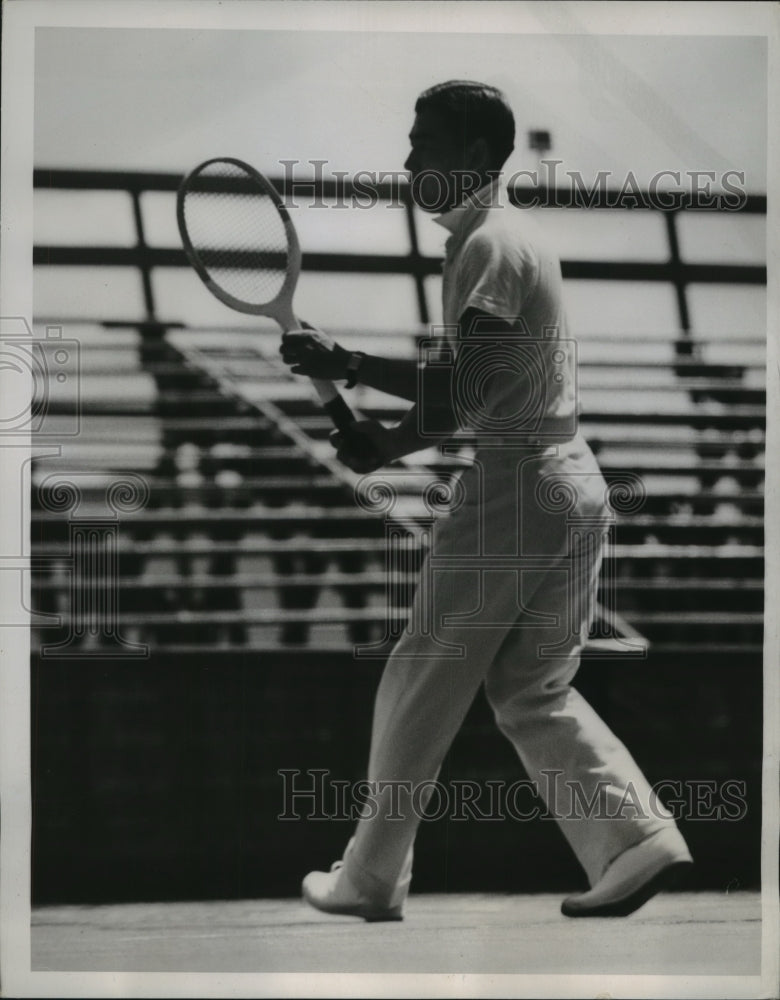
(342, 417)
(333, 404)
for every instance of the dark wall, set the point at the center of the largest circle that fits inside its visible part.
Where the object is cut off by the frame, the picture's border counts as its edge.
(159, 779)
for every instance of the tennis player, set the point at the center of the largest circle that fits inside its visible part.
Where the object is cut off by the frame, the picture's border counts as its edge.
(534, 497)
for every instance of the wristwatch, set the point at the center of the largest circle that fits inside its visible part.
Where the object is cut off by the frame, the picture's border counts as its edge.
(353, 367)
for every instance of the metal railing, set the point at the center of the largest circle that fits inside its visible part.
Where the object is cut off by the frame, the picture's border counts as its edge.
(145, 258)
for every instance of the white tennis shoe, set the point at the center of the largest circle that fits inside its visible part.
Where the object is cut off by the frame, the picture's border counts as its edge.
(336, 892)
(633, 877)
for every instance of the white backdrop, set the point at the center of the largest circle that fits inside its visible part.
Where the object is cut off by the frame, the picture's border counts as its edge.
(166, 98)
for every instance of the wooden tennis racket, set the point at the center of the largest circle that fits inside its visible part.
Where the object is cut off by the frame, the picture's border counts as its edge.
(240, 239)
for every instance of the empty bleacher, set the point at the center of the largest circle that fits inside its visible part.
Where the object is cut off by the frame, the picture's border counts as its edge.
(251, 529)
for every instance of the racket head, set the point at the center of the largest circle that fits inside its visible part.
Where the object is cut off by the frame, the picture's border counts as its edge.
(239, 238)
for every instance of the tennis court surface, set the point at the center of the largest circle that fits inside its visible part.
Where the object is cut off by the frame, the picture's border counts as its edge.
(703, 933)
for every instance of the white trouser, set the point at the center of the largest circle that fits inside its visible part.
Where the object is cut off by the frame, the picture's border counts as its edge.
(527, 623)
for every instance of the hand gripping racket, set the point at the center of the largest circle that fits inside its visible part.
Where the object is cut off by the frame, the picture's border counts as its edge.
(240, 240)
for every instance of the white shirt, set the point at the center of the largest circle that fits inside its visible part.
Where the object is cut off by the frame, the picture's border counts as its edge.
(497, 263)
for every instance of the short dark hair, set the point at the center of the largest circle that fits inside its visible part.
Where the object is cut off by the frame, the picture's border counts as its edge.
(476, 111)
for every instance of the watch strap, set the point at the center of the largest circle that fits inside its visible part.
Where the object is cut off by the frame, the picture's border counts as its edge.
(353, 367)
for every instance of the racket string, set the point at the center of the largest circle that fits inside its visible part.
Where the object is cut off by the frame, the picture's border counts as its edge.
(237, 233)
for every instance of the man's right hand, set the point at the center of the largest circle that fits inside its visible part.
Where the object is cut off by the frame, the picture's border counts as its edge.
(312, 352)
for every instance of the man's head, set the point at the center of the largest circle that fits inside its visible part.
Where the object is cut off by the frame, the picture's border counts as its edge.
(463, 133)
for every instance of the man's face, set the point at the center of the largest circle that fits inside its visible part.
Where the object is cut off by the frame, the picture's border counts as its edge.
(443, 170)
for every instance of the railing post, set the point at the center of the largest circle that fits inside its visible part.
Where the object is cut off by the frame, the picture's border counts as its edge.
(144, 267)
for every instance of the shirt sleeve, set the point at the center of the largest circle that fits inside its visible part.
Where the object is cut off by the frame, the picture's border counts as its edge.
(495, 277)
